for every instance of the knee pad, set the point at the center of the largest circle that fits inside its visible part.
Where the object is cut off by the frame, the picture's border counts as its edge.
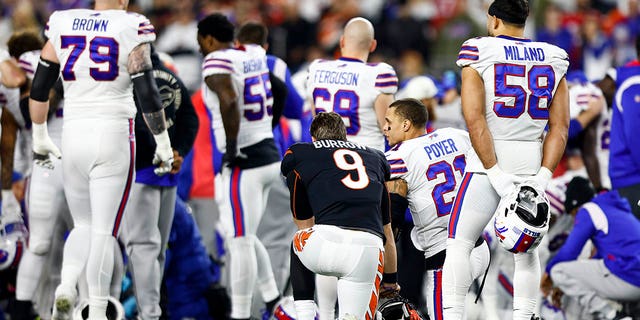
(39, 247)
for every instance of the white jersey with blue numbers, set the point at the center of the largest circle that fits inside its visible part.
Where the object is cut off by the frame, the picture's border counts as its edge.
(579, 97)
(349, 87)
(249, 73)
(93, 49)
(433, 166)
(520, 79)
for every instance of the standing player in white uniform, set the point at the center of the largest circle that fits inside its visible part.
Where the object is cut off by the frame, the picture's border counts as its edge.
(432, 165)
(99, 54)
(511, 89)
(45, 197)
(238, 89)
(358, 91)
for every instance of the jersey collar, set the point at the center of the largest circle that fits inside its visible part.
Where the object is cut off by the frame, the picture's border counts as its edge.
(350, 59)
(513, 38)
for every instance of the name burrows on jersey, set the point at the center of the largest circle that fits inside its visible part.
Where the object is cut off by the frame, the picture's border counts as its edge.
(250, 76)
(343, 181)
(579, 97)
(349, 87)
(433, 166)
(93, 49)
(520, 79)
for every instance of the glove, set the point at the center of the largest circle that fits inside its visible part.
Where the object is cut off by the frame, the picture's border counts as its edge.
(11, 210)
(501, 181)
(163, 158)
(542, 178)
(43, 146)
(233, 156)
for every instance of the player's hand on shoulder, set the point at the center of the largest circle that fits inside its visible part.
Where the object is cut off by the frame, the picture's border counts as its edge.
(163, 157)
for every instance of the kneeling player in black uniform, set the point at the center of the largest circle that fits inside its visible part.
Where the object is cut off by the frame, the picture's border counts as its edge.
(341, 206)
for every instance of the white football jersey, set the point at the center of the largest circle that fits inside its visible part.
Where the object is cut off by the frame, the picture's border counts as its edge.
(520, 78)
(28, 62)
(93, 49)
(433, 166)
(249, 73)
(579, 96)
(349, 87)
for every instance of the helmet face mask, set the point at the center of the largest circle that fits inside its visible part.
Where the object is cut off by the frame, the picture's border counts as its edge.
(522, 219)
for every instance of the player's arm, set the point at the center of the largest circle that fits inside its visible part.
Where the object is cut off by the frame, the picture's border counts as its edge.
(7, 146)
(279, 91)
(608, 87)
(299, 201)
(380, 106)
(389, 283)
(140, 68)
(473, 109)
(222, 85)
(589, 155)
(398, 201)
(586, 117)
(556, 139)
(44, 79)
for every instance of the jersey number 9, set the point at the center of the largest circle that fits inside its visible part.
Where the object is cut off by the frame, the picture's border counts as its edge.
(361, 180)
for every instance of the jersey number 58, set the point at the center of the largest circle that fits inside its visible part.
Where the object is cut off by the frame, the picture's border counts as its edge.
(510, 82)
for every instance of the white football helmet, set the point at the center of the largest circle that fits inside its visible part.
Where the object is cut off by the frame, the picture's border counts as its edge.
(522, 218)
(115, 310)
(284, 309)
(13, 239)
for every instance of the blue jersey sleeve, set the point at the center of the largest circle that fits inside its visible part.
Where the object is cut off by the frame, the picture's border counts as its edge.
(632, 122)
(583, 229)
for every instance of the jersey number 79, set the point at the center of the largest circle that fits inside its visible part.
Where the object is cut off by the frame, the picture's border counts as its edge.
(103, 51)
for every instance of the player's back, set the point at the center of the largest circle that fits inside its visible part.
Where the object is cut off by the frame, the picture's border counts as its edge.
(343, 180)
(248, 69)
(520, 79)
(349, 87)
(433, 166)
(93, 48)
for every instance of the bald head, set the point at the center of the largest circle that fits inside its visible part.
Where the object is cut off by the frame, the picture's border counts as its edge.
(358, 35)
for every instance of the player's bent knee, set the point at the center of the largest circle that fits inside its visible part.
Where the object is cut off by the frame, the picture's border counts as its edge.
(560, 273)
(39, 248)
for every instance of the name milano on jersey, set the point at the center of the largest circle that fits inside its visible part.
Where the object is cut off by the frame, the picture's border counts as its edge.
(93, 49)
(520, 78)
(349, 87)
(250, 76)
(433, 166)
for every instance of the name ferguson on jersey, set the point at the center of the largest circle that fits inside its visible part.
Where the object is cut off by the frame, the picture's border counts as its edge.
(337, 144)
(90, 24)
(335, 77)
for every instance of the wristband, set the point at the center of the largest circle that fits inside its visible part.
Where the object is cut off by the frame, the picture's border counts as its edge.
(390, 277)
(39, 131)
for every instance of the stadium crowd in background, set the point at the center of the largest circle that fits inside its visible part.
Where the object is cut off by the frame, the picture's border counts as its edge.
(421, 41)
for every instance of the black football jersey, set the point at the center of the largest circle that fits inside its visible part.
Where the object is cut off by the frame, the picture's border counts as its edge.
(339, 183)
